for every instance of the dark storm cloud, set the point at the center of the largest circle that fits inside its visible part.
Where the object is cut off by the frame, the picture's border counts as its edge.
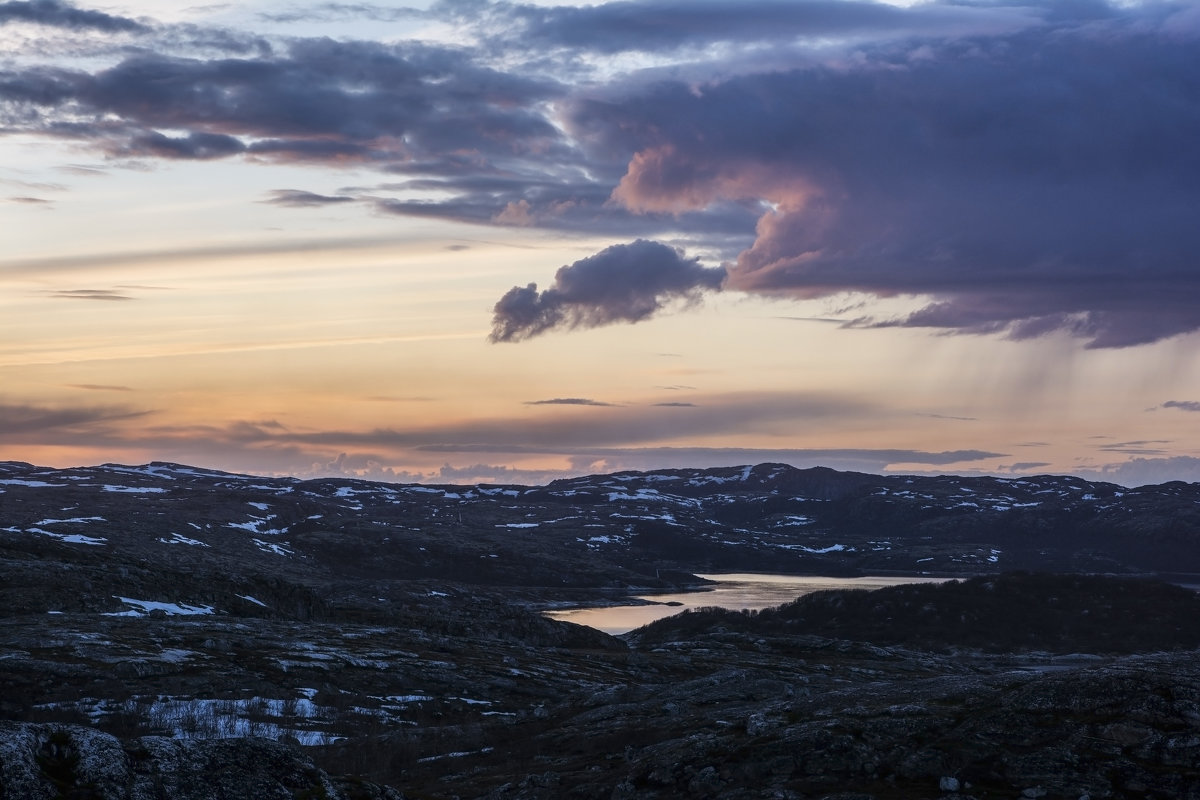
(658, 25)
(558, 191)
(1024, 169)
(197, 146)
(1182, 405)
(623, 283)
(321, 102)
(65, 15)
(1032, 182)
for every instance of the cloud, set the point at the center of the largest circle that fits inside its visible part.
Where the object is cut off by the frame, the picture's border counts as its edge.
(33, 201)
(294, 198)
(1143, 447)
(675, 405)
(568, 401)
(1145, 471)
(319, 101)
(91, 294)
(1019, 170)
(622, 283)
(658, 25)
(99, 387)
(490, 473)
(1025, 466)
(65, 15)
(362, 467)
(1182, 405)
(327, 12)
(194, 146)
(649, 458)
(573, 429)
(1021, 183)
(28, 423)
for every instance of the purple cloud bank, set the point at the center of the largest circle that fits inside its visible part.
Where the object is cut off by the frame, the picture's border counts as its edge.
(1023, 169)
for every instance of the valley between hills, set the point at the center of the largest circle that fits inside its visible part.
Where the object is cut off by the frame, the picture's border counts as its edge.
(177, 633)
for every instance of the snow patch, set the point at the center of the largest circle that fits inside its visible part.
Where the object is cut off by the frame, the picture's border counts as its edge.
(108, 487)
(141, 608)
(179, 538)
(73, 520)
(255, 525)
(271, 547)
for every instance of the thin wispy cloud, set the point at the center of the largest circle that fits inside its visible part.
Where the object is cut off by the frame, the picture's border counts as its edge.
(568, 401)
(91, 294)
(294, 198)
(1146, 447)
(99, 387)
(26, 422)
(327, 12)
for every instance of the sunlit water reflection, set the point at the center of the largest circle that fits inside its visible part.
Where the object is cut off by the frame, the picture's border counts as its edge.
(735, 590)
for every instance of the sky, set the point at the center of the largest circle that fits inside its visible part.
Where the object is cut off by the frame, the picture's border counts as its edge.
(482, 240)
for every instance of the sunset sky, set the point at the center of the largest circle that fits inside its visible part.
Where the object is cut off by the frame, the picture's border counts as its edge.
(511, 241)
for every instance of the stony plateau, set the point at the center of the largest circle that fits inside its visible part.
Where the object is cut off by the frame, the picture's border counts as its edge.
(174, 633)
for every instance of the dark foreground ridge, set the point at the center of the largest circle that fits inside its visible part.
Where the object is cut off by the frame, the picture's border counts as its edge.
(180, 634)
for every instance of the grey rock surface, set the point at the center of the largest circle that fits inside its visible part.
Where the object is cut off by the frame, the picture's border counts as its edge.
(68, 761)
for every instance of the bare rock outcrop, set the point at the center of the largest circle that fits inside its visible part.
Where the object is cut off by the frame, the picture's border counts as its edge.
(50, 762)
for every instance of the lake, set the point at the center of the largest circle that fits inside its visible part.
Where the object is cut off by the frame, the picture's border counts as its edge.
(735, 590)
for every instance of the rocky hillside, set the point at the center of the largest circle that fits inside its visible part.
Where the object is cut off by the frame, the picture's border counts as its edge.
(83, 539)
(56, 761)
(177, 633)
